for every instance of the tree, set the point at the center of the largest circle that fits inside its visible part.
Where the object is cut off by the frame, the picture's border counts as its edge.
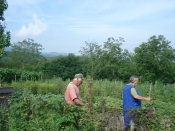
(111, 58)
(63, 66)
(107, 61)
(4, 36)
(90, 55)
(26, 54)
(155, 60)
(127, 66)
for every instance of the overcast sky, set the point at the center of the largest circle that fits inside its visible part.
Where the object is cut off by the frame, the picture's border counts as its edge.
(63, 26)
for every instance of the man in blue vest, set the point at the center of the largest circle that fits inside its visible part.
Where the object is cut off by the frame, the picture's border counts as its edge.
(131, 100)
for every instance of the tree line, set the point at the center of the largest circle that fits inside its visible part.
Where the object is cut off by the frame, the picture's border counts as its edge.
(151, 61)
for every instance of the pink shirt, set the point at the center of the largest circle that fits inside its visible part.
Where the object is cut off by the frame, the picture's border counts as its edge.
(71, 93)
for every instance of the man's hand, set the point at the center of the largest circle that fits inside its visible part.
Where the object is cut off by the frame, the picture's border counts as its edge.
(86, 105)
(148, 99)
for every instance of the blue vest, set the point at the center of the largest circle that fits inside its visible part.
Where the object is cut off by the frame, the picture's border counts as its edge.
(128, 100)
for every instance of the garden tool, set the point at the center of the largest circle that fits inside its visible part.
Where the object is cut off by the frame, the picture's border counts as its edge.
(150, 90)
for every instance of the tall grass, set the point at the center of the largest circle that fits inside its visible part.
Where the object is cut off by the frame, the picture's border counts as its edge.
(95, 92)
(94, 88)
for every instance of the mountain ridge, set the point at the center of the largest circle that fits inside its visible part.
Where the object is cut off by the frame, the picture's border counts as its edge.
(53, 54)
(46, 54)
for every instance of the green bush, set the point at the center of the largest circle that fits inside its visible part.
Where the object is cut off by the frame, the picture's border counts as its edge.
(45, 112)
(9, 75)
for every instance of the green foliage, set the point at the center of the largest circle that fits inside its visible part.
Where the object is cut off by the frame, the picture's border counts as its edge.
(90, 55)
(156, 115)
(9, 75)
(110, 58)
(155, 60)
(54, 86)
(63, 66)
(3, 120)
(25, 55)
(45, 112)
(3, 7)
(4, 36)
(108, 61)
(159, 91)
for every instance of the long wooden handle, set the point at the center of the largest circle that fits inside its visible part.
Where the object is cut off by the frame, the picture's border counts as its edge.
(150, 90)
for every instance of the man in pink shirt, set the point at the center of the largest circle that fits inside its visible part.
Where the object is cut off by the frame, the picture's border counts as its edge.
(72, 94)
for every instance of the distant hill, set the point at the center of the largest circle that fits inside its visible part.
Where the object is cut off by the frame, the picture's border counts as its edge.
(8, 48)
(46, 54)
(53, 54)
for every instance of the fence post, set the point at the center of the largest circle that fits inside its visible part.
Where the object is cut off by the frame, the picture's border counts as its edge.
(103, 108)
(109, 122)
(115, 120)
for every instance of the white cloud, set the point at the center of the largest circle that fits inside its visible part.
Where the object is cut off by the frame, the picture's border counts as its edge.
(33, 29)
(97, 20)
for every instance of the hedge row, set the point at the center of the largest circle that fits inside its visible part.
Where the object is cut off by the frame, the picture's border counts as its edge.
(9, 75)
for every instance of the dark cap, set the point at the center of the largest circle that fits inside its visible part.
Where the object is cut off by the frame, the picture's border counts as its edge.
(79, 75)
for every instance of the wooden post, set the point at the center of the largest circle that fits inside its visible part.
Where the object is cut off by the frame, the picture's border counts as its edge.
(109, 122)
(115, 120)
(132, 126)
(150, 90)
(120, 119)
(103, 108)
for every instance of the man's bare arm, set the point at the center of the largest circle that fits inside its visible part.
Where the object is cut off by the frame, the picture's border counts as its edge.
(142, 98)
(78, 102)
(136, 96)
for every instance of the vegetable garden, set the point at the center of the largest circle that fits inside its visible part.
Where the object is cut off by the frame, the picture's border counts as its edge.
(40, 106)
